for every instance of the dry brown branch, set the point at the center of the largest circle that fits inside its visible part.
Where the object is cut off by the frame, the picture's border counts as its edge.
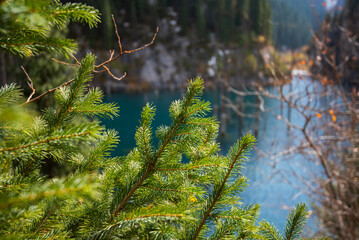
(112, 52)
(30, 83)
(113, 76)
(232, 106)
(117, 35)
(66, 63)
(77, 61)
(97, 68)
(49, 91)
(128, 51)
(99, 71)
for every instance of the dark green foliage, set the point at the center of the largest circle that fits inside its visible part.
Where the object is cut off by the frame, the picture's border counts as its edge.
(26, 25)
(294, 225)
(27, 139)
(295, 222)
(9, 94)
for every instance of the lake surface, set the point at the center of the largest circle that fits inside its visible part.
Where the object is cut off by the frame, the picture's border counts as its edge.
(268, 178)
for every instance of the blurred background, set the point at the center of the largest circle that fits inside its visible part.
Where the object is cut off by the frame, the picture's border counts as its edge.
(285, 70)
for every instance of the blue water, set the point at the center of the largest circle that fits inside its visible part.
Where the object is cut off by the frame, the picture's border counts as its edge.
(268, 178)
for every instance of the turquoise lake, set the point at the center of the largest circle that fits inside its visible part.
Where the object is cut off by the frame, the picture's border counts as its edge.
(271, 182)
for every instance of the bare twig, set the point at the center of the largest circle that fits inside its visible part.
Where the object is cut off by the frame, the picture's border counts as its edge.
(128, 51)
(118, 36)
(65, 63)
(112, 53)
(49, 91)
(113, 76)
(77, 61)
(30, 83)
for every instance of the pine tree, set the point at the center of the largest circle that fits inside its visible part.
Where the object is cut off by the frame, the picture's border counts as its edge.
(173, 185)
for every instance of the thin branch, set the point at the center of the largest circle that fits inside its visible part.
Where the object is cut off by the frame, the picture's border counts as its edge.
(228, 217)
(315, 12)
(44, 221)
(77, 61)
(99, 71)
(112, 52)
(144, 127)
(117, 78)
(144, 46)
(47, 140)
(65, 63)
(30, 83)
(128, 51)
(117, 35)
(146, 216)
(186, 169)
(49, 91)
(166, 190)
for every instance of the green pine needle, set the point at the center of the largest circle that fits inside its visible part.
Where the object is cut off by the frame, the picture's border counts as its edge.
(296, 221)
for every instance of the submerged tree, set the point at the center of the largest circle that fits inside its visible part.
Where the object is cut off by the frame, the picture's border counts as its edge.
(177, 188)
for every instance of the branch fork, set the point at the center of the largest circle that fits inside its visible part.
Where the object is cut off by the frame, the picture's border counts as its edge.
(97, 69)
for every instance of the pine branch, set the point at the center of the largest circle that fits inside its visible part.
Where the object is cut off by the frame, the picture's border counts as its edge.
(245, 144)
(47, 215)
(166, 190)
(9, 94)
(156, 215)
(151, 193)
(235, 223)
(143, 135)
(194, 88)
(188, 168)
(296, 221)
(59, 14)
(269, 231)
(83, 75)
(222, 231)
(47, 140)
(107, 143)
(132, 220)
(27, 38)
(25, 48)
(59, 188)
